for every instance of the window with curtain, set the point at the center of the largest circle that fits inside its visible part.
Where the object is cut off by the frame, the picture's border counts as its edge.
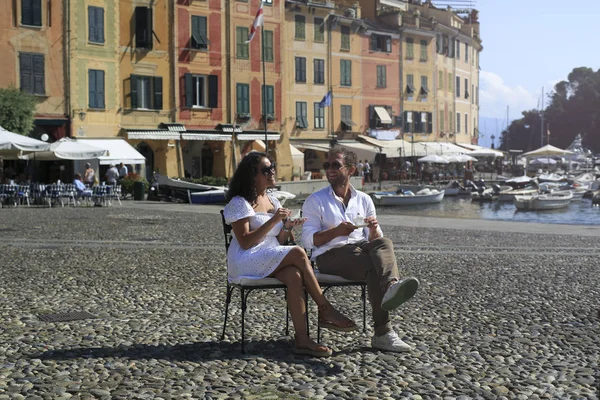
(410, 50)
(319, 116)
(345, 73)
(241, 47)
(300, 27)
(319, 30)
(381, 76)
(301, 115)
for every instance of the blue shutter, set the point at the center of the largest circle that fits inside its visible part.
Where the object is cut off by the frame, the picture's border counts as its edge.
(36, 8)
(26, 12)
(38, 74)
(100, 24)
(100, 89)
(158, 93)
(26, 72)
(213, 91)
(91, 24)
(133, 91)
(92, 89)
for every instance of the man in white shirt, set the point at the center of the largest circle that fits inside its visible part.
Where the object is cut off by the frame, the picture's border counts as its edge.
(122, 171)
(112, 174)
(346, 240)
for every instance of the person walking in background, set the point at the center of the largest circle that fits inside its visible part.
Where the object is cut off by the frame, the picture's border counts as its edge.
(360, 169)
(260, 227)
(346, 240)
(89, 175)
(112, 175)
(122, 171)
(367, 171)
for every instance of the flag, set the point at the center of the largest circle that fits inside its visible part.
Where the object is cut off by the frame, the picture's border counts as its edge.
(258, 21)
(326, 102)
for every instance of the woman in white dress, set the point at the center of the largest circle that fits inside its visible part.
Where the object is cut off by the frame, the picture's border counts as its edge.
(260, 227)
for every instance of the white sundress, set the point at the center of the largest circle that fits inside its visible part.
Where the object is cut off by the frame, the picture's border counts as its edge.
(262, 259)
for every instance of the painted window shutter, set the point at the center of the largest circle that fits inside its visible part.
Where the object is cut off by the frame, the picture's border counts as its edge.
(100, 89)
(213, 91)
(36, 8)
(133, 90)
(92, 88)
(149, 28)
(388, 44)
(26, 12)
(92, 24)
(158, 93)
(372, 118)
(100, 24)
(429, 122)
(140, 27)
(26, 69)
(271, 100)
(373, 42)
(38, 74)
(189, 90)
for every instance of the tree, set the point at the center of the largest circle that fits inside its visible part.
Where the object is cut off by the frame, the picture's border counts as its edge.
(16, 110)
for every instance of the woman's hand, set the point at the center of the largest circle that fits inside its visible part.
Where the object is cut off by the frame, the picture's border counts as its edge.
(289, 224)
(281, 214)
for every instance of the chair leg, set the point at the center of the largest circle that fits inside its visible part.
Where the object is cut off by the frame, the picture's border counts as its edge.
(244, 295)
(287, 314)
(227, 301)
(364, 300)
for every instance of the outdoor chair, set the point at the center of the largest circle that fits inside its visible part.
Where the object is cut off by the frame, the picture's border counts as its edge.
(327, 282)
(100, 194)
(68, 192)
(246, 286)
(115, 193)
(23, 194)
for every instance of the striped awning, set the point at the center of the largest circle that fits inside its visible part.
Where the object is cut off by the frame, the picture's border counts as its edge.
(206, 135)
(153, 134)
(255, 135)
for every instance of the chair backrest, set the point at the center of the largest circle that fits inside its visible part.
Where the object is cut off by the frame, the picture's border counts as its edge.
(227, 231)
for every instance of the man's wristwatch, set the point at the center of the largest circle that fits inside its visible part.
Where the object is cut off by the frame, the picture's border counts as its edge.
(288, 229)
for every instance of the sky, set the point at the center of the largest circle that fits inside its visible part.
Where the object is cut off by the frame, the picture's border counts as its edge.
(527, 45)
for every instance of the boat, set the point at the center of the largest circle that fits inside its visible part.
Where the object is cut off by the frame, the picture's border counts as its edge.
(509, 195)
(549, 201)
(488, 194)
(455, 189)
(425, 196)
(520, 182)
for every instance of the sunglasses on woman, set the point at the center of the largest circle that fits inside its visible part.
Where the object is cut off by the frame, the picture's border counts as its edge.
(270, 170)
(334, 165)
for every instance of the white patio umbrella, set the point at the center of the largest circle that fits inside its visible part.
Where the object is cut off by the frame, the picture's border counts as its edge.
(548, 150)
(13, 144)
(68, 149)
(460, 158)
(434, 159)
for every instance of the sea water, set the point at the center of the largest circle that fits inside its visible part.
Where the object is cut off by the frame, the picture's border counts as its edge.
(577, 213)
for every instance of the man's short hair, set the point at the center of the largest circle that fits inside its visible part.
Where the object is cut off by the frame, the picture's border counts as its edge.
(349, 155)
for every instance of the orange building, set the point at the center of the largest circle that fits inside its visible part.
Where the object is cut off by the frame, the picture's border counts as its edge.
(146, 70)
(32, 43)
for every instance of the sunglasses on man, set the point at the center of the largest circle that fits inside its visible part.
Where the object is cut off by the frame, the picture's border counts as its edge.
(270, 170)
(335, 165)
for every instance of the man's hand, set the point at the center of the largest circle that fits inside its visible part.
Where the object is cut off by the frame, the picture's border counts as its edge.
(372, 223)
(345, 229)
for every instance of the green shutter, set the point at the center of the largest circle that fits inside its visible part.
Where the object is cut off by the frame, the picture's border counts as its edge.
(38, 74)
(319, 30)
(300, 29)
(133, 91)
(92, 88)
(36, 8)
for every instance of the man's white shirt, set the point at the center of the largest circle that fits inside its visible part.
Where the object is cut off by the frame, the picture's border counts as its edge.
(324, 210)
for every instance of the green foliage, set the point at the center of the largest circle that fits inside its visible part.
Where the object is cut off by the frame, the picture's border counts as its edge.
(127, 183)
(574, 108)
(207, 180)
(16, 110)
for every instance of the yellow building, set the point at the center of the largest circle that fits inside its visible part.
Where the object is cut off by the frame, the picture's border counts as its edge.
(246, 92)
(322, 55)
(146, 77)
(31, 44)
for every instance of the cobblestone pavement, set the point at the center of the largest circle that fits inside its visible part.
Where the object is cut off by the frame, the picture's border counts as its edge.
(499, 315)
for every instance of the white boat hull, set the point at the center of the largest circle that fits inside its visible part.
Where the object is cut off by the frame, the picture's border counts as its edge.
(509, 195)
(392, 199)
(550, 201)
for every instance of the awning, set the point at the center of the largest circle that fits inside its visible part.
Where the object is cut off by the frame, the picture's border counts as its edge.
(173, 127)
(257, 135)
(383, 115)
(229, 128)
(216, 136)
(118, 151)
(443, 148)
(307, 145)
(424, 89)
(476, 150)
(155, 134)
(348, 122)
(363, 151)
(410, 88)
(390, 147)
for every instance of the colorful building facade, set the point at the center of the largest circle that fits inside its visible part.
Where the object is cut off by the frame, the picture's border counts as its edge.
(32, 46)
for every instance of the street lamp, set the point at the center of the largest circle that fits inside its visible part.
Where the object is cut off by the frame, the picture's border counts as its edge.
(493, 137)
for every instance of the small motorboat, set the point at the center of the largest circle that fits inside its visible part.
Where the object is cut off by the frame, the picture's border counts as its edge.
(454, 188)
(400, 198)
(218, 196)
(488, 194)
(548, 201)
(509, 194)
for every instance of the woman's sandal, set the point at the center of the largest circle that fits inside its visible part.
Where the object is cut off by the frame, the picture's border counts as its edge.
(339, 326)
(318, 351)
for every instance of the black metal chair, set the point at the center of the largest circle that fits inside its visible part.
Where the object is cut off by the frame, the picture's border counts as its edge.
(246, 286)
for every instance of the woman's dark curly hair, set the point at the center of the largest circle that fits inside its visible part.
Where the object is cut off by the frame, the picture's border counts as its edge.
(242, 183)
